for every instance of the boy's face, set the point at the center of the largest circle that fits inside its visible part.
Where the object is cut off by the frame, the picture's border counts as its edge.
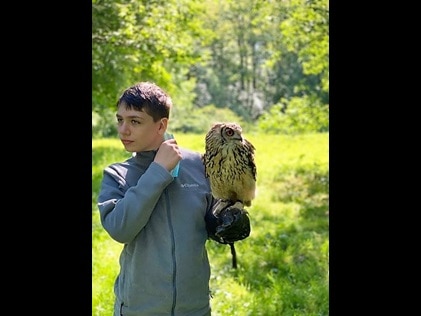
(137, 130)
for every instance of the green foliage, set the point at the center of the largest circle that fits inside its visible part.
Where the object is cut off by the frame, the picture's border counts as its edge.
(244, 56)
(134, 41)
(306, 32)
(298, 115)
(283, 266)
(199, 120)
(104, 124)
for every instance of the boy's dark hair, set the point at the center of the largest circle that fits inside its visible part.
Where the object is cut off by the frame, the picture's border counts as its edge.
(148, 97)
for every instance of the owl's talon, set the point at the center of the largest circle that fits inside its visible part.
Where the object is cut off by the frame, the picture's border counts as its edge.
(238, 205)
(221, 206)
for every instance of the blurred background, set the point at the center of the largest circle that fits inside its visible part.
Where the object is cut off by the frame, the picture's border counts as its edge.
(264, 64)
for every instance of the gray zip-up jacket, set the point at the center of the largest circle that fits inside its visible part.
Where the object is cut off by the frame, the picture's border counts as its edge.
(164, 267)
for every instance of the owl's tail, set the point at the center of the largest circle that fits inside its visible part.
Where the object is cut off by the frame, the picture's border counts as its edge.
(234, 255)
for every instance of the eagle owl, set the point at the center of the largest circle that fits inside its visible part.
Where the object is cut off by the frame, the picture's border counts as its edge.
(229, 165)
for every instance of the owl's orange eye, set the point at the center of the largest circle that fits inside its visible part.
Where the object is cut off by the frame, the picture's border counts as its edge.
(229, 132)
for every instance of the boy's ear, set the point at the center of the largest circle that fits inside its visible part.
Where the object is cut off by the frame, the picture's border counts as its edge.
(163, 125)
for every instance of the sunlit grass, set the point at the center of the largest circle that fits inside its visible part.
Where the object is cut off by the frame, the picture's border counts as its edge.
(283, 265)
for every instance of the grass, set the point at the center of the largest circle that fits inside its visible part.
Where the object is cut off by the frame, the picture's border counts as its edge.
(283, 266)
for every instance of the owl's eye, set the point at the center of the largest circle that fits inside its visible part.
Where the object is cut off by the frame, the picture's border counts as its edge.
(229, 132)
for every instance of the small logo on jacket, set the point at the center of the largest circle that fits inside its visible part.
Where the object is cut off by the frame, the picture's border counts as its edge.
(189, 185)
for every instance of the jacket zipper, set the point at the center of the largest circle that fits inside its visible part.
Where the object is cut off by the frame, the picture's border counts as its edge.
(167, 199)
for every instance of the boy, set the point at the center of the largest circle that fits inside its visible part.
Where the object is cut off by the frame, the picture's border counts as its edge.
(162, 218)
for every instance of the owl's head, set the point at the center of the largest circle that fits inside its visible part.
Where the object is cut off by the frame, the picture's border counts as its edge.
(228, 131)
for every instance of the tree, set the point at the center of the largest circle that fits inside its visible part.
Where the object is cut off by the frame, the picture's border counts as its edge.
(136, 40)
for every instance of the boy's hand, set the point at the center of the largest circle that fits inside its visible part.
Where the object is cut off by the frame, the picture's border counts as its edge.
(229, 225)
(168, 154)
(234, 225)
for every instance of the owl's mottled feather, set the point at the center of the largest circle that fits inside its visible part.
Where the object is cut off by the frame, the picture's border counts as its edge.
(229, 163)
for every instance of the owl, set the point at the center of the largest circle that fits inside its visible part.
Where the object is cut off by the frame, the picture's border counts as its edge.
(229, 165)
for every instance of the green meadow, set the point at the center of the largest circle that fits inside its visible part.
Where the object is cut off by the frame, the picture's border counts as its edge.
(283, 266)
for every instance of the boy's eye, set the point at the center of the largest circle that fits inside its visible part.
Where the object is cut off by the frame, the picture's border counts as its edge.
(134, 122)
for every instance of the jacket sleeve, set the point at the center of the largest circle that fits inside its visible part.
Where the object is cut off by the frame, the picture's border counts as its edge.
(124, 212)
(230, 225)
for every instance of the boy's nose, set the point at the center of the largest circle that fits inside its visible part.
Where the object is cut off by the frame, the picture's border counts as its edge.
(124, 129)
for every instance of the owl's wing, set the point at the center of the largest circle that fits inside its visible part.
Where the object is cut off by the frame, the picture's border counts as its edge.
(203, 158)
(250, 157)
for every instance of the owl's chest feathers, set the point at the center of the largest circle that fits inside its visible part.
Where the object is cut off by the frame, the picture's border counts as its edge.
(229, 164)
